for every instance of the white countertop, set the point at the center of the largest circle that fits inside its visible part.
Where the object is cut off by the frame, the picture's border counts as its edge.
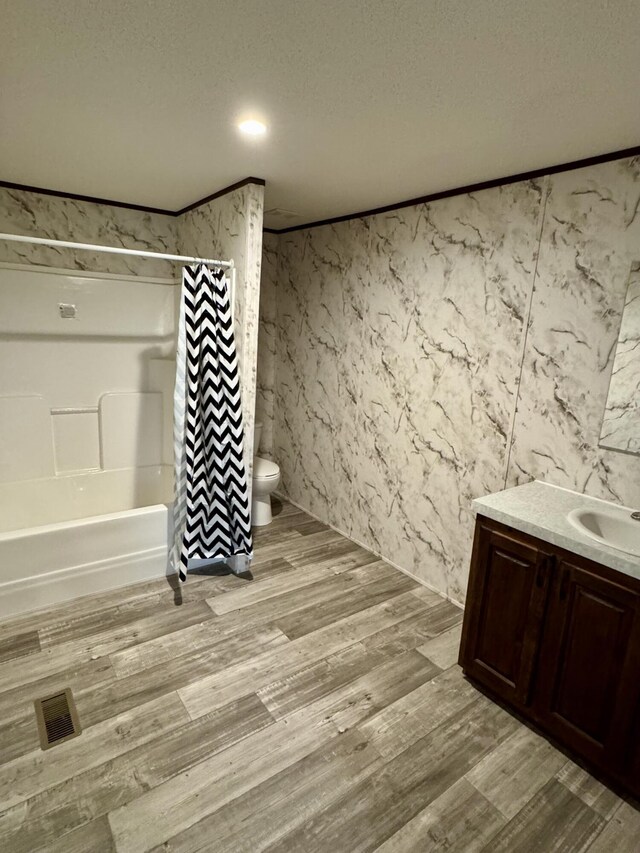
(541, 510)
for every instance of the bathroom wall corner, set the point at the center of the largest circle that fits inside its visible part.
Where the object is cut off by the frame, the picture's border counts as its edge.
(230, 226)
(267, 342)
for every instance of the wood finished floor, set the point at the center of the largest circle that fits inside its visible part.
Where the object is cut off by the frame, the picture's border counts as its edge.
(317, 708)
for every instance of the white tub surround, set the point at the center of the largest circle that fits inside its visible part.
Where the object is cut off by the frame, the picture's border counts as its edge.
(83, 392)
(542, 510)
(230, 226)
(51, 500)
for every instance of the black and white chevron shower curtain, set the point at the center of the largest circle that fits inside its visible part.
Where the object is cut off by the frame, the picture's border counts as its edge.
(211, 509)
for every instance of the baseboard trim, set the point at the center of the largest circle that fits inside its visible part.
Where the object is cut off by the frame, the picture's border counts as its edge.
(373, 551)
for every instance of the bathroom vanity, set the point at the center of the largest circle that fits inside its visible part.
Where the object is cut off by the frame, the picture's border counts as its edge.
(552, 621)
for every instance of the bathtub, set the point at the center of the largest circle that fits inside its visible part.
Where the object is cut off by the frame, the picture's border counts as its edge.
(67, 536)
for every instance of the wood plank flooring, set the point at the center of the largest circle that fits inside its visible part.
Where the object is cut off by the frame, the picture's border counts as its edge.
(318, 707)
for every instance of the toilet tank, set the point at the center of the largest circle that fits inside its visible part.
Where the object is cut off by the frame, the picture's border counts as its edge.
(257, 435)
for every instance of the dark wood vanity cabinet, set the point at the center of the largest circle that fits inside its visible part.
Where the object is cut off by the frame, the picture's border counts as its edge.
(557, 637)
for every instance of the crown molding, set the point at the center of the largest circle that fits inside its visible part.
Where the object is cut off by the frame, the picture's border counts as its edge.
(76, 197)
(469, 188)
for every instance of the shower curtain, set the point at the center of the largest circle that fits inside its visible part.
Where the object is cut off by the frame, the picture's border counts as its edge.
(211, 509)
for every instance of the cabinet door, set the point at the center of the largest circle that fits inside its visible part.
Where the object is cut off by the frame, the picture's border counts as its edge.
(588, 688)
(507, 590)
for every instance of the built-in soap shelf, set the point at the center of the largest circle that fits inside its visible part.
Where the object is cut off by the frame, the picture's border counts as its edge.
(128, 429)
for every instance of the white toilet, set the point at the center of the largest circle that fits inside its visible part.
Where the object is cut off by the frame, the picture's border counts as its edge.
(266, 477)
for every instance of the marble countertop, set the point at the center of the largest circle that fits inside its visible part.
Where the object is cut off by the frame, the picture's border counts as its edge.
(541, 510)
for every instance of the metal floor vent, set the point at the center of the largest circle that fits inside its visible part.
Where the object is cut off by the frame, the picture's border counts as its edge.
(57, 719)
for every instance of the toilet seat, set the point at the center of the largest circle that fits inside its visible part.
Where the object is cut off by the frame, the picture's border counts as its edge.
(265, 469)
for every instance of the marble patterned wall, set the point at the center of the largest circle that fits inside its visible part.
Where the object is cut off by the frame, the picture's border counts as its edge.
(590, 241)
(39, 215)
(399, 345)
(439, 352)
(266, 378)
(231, 227)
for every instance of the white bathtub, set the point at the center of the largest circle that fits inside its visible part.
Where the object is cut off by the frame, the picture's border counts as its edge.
(62, 537)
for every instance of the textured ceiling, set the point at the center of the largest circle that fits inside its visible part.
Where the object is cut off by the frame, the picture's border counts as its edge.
(368, 101)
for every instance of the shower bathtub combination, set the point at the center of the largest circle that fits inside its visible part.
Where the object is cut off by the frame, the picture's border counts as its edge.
(87, 367)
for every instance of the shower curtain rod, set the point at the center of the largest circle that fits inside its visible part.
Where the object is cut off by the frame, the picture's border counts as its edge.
(64, 244)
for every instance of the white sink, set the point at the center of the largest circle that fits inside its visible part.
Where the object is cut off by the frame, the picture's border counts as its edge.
(612, 526)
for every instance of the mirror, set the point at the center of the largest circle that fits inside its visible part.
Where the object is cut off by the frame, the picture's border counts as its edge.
(621, 422)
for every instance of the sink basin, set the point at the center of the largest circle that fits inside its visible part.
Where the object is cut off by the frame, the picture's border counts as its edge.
(612, 526)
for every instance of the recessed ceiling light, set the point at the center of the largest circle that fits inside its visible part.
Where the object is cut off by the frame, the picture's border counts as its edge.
(253, 127)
